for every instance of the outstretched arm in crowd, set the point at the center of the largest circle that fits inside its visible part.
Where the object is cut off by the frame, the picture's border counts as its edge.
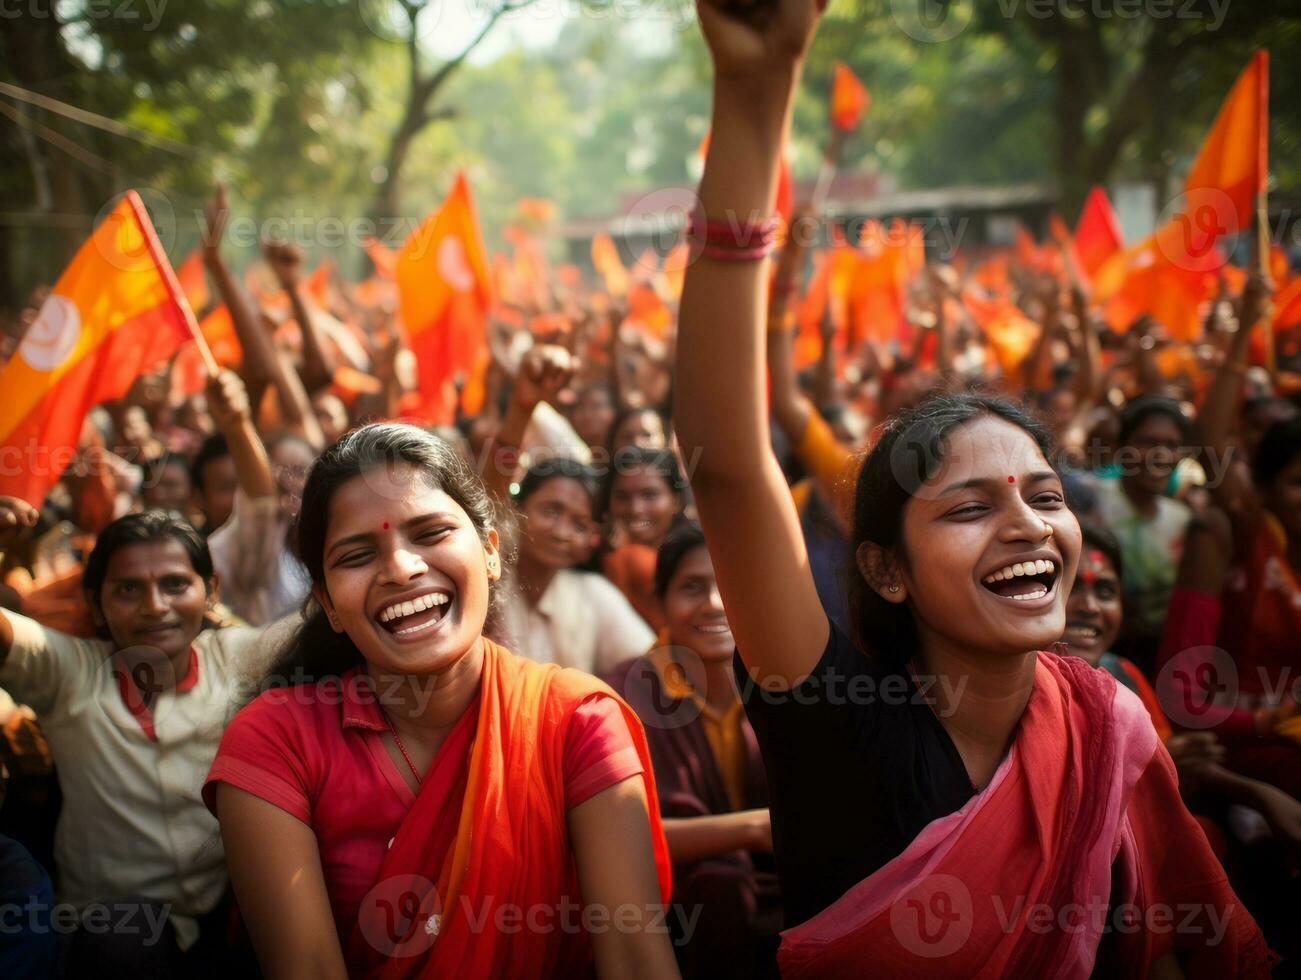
(15, 514)
(542, 373)
(814, 443)
(719, 406)
(286, 262)
(693, 839)
(1087, 349)
(1219, 413)
(262, 365)
(228, 402)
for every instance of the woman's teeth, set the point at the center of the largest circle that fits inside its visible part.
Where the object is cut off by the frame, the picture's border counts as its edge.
(1037, 567)
(721, 628)
(413, 606)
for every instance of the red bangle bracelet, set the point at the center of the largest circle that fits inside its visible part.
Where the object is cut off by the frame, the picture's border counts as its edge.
(726, 240)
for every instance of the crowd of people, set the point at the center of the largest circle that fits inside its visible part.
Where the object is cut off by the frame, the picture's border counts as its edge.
(727, 649)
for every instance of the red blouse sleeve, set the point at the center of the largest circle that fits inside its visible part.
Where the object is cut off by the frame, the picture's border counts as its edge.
(264, 752)
(599, 750)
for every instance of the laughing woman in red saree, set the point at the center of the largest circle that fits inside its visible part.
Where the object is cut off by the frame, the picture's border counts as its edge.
(419, 801)
(946, 799)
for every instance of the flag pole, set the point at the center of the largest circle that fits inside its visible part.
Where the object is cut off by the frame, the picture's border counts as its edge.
(173, 284)
(1260, 264)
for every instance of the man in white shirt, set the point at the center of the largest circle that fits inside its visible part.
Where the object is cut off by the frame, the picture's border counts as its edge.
(133, 721)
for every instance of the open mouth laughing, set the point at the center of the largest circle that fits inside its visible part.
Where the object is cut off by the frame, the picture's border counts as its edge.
(415, 615)
(1028, 581)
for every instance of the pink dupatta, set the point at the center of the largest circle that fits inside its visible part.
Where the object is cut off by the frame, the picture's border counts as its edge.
(1019, 881)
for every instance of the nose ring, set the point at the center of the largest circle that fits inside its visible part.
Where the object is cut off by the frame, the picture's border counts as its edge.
(1048, 529)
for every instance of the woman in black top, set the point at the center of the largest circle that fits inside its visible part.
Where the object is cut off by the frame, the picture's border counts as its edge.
(953, 782)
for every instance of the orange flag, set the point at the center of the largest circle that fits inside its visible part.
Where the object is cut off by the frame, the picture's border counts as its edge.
(1232, 165)
(381, 257)
(444, 293)
(647, 312)
(1168, 276)
(1097, 233)
(1009, 332)
(116, 312)
(876, 293)
(1172, 272)
(849, 98)
(531, 270)
(606, 261)
(194, 281)
(810, 311)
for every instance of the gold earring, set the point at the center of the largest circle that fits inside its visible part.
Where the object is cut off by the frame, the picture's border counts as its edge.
(894, 588)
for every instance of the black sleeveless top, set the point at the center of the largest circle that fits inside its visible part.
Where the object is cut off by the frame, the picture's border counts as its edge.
(857, 764)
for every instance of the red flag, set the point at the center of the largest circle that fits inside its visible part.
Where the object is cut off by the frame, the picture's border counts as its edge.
(849, 98)
(1097, 233)
(1233, 162)
(444, 294)
(116, 312)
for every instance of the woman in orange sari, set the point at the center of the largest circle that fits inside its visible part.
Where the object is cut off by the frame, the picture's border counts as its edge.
(947, 797)
(419, 801)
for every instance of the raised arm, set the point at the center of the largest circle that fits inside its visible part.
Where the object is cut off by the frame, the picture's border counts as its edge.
(262, 365)
(286, 261)
(228, 402)
(1219, 412)
(719, 408)
(542, 373)
(15, 514)
(259, 355)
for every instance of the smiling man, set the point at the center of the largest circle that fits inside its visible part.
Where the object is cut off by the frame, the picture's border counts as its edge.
(133, 719)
